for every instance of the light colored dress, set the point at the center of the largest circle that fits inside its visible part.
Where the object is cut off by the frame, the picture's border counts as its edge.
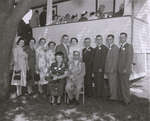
(41, 64)
(50, 58)
(20, 60)
(76, 79)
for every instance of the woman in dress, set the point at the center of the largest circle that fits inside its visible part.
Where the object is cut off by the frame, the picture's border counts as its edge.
(73, 47)
(20, 66)
(76, 78)
(41, 65)
(57, 78)
(50, 53)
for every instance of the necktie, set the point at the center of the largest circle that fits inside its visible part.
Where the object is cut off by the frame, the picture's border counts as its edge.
(121, 46)
(67, 49)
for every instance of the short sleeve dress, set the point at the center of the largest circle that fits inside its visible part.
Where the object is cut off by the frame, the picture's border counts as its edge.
(50, 58)
(56, 87)
(42, 66)
(20, 66)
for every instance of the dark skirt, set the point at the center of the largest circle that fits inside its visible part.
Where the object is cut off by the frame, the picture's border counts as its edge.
(56, 88)
(31, 77)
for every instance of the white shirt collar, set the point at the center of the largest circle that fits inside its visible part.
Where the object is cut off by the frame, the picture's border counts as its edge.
(111, 46)
(65, 45)
(122, 45)
(88, 48)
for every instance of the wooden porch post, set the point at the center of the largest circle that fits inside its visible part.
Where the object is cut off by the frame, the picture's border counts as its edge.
(127, 7)
(132, 22)
(49, 12)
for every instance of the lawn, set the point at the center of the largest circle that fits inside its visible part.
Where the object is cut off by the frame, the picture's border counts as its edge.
(39, 109)
(94, 110)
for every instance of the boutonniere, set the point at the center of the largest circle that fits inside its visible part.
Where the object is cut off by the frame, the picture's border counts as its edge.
(89, 49)
(59, 68)
(123, 48)
(55, 68)
(99, 48)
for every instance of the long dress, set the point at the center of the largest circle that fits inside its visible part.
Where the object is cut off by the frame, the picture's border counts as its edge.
(41, 64)
(20, 64)
(50, 58)
(76, 79)
(56, 87)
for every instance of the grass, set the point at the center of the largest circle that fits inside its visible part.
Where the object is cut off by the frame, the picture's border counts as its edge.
(94, 110)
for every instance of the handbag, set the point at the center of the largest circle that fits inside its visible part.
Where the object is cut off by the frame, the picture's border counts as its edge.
(17, 75)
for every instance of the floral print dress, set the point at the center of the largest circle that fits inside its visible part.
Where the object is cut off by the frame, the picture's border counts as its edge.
(41, 64)
(50, 58)
(56, 87)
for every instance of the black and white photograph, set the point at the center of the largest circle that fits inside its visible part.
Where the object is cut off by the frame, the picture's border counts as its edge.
(74, 60)
(54, 11)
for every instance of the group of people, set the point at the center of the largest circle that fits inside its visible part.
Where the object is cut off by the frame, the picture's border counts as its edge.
(66, 68)
(40, 19)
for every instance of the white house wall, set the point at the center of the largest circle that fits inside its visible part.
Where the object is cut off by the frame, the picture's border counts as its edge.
(90, 29)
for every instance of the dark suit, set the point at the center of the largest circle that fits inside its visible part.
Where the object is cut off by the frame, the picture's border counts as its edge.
(43, 18)
(124, 70)
(88, 60)
(111, 70)
(99, 58)
(65, 51)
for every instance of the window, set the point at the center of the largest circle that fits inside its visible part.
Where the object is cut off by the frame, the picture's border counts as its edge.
(105, 6)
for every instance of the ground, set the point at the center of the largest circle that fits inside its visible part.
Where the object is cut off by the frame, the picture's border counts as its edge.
(94, 110)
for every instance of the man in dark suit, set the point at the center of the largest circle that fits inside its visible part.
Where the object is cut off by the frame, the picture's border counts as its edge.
(111, 67)
(43, 17)
(125, 67)
(87, 55)
(100, 53)
(64, 47)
